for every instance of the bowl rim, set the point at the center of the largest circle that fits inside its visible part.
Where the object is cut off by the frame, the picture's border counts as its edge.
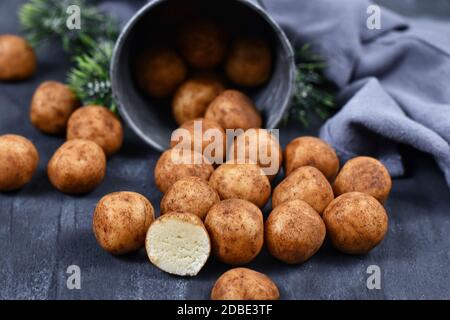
(287, 48)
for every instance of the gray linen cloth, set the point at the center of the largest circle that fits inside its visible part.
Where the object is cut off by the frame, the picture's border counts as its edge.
(394, 81)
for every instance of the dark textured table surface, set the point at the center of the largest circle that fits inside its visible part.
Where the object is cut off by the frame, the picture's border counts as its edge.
(42, 231)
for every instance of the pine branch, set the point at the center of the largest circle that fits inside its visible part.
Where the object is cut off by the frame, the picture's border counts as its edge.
(43, 20)
(311, 96)
(89, 78)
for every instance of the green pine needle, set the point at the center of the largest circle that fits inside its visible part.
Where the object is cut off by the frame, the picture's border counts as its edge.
(310, 96)
(42, 20)
(89, 78)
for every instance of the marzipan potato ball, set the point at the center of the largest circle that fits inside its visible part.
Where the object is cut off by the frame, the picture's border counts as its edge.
(205, 131)
(121, 220)
(203, 43)
(174, 165)
(98, 124)
(244, 181)
(178, 243)
(77, 167)
(234, 110)
(194, 96)
(356, 222)
(364, 174)
(294, 232)
(259, 146)
(311, 151)
(17, 58)
(244, 284)
(18, 161)
(236, 229)
(51, 106)
(307, 184)
(159, 71)
(249, 62)
(191, 194)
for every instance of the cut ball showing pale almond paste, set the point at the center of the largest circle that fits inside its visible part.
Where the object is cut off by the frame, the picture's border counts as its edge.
(178, 243)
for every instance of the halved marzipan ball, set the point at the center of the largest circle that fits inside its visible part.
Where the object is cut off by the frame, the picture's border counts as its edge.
(78, 166)
(203, 43)
(234, 110)
(307, 184)
(244, 181)
(249, 62)
(244, 284)
(98, 124)
(202, 135)
(17, 58)
(356, 222)
(236, 229)
(311, 151)
(364, 174)
(51, 106)
(18, 161)
(121, 220)
(159, 71)
(294, 232)
(190, 194)
(175, 164)
(259, 146)
(178, 243)
(194, 96)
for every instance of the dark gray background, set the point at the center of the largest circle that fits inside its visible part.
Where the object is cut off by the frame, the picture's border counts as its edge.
(42, 231)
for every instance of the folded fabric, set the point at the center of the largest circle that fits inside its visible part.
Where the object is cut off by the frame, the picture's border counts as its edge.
(393, 81)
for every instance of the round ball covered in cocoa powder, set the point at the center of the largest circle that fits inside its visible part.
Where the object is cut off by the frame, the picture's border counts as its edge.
(121, 220)
(51, 106)
(190, 194)
(77, 167)
(311, 151)
(18, 161)
(356, 222)
(175, 164)
(17, 58)
(294, 232)
(236, 229)
(307, 184)
(364, 174)
(193, 97)
(98, 124)
(232, 109)
(244, 284)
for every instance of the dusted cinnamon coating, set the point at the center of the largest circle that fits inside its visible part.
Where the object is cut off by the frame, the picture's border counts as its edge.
(18, 161)
(234, 110)
(241, 181)
(294, 232)
(121, 220)
(17, 58)
(203, 43)
(194, 96)
(236, 229)
(244, 284)
(51, 106)
(364, 174)
(174, 165)
(77, 167)
(98, 124)
(307, 184)
(311, 151)
(159, 71)
(356, 222)
(191, 194)
(249, 62)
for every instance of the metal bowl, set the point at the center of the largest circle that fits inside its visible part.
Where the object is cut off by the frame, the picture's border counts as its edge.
(152, 119)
